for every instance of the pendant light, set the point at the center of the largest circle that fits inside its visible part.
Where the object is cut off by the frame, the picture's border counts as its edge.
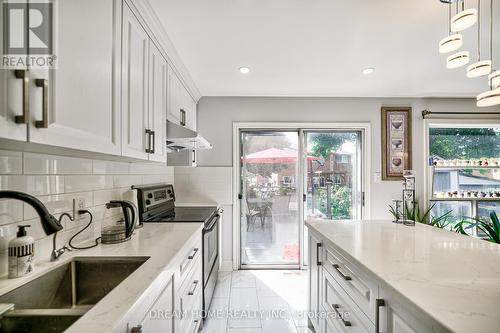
(479, 68)
(457, 60)
(492, 96)
(451, 42)
(463, 20)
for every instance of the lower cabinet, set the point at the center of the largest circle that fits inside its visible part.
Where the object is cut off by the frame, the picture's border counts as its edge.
(176, 306)
(345, 297)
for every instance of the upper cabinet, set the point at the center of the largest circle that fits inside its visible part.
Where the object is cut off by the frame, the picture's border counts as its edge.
(182, 107)
(111, 91)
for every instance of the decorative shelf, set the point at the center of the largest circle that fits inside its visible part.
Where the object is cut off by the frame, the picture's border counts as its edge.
(477, 167)
(465, 199)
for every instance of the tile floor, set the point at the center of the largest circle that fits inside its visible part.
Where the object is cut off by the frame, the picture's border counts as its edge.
(259, 302)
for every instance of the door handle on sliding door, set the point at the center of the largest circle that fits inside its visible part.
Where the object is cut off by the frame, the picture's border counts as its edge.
(44, 84)
(23, 74)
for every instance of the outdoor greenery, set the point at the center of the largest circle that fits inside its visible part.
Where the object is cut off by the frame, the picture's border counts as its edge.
(341, 199)
(325, 143)
(464, 143)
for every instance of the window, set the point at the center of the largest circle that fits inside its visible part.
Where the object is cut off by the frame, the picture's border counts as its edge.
(465, 170)
(288, 180)
(342, 159)
(338, 179)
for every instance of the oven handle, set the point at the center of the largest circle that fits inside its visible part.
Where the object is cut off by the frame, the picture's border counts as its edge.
(212, 225)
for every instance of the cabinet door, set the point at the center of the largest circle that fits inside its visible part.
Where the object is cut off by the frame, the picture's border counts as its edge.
(135, 41)
(315, 248)
(158, 103)
(174, 97)
(159, 317)
(13, 104)
(81, 109)
(398, 316)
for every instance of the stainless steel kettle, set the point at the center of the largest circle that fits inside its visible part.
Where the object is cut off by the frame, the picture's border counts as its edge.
(118, 225)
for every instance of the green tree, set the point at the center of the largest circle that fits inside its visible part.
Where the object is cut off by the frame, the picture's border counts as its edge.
(325, 143)
(465, 143)
(342, 203)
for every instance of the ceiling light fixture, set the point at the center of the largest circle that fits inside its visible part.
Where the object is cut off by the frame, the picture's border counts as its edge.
(451, 42)
(244, 70)
(368, 71)
(479, 68)
(464, 19)
(457, 60)
(492, 96)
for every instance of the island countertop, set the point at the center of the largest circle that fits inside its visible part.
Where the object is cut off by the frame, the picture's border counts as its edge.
(453, 278)
(160, 242)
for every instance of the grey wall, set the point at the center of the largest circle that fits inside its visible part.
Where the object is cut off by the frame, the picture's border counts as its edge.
(217, 114)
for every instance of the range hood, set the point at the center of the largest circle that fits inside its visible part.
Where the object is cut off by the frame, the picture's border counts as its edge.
(181, 138)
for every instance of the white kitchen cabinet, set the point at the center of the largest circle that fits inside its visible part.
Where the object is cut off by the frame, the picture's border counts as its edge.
(315, 272)
(76, 105)
(135, 55)
(182, 107)
(158, 71)
(159, 318)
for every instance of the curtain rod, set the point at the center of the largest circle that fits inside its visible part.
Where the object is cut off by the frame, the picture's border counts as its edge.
(426, 113)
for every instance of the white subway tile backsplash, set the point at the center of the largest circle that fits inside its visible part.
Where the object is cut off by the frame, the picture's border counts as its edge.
(126, 181)
(11, 162)
(57, 180)
(110, 168)
(10, 211)
(41, 164)
(88, 183)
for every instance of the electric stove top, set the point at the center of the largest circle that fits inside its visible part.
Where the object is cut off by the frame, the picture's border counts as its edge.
(185, 214)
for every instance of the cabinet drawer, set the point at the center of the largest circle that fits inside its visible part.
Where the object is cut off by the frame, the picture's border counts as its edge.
(342, 314)
(190, 300)
(187, 264)
(357, 285)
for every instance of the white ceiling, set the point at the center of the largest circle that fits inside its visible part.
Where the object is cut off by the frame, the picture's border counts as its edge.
(318, 47)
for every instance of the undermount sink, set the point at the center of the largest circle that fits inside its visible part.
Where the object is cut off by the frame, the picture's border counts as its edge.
(55, 300)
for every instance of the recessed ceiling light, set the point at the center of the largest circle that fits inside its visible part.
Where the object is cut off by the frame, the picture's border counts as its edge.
(244, 70)
(368, 70)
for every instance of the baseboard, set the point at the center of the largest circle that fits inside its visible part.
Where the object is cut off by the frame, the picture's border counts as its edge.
(226, 266)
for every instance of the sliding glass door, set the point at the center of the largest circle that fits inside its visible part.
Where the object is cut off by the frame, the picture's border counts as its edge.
(269, 210)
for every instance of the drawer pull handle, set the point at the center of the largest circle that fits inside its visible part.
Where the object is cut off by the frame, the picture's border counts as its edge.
(195, 325)
(336, 308)
(24, 75)
(136, 329)
(378, 303)
(318, 259)
(44, 84)
(191, 256)
(337, 268)
(148, 137)
(195, 284)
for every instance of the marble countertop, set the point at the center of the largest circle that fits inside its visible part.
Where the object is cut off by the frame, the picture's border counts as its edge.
(160, 242)
(453, 278)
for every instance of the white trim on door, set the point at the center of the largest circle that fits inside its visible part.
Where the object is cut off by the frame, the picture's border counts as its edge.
(238, 126)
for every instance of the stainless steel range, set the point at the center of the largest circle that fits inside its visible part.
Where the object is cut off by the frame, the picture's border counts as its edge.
(157, 205)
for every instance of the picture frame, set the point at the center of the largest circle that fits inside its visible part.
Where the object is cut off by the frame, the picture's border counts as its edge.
(396, 142)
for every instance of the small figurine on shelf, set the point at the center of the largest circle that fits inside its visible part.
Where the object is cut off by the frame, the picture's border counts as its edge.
(409, 198)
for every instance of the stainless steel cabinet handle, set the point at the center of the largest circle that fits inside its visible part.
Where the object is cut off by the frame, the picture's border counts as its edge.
(191, 256)
(194, 156)
(378, 303)
(148, 133)
(183, 117)
(44, 84)
(195, 284)
(195, 325)
(24, 75)
(336, 308)
(136, 329)
(337, 268)
(153, 144)
(318, 260)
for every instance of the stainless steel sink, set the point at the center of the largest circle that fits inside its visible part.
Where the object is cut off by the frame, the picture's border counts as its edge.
(55, 300)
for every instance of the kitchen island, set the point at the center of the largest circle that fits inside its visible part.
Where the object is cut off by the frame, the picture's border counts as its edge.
(396, 278)
(171, 272)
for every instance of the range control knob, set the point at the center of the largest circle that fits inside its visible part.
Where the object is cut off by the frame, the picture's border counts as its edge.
(150, 195)
(148, 202)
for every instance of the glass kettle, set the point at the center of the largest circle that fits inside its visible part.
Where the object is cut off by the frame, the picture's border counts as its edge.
(119, 221)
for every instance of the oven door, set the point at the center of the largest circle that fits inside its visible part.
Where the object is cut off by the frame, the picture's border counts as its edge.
(210, 259)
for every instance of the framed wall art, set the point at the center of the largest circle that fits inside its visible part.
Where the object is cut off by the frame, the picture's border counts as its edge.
(396, 142)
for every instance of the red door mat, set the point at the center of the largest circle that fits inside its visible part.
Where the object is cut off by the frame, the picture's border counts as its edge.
(291, 252)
